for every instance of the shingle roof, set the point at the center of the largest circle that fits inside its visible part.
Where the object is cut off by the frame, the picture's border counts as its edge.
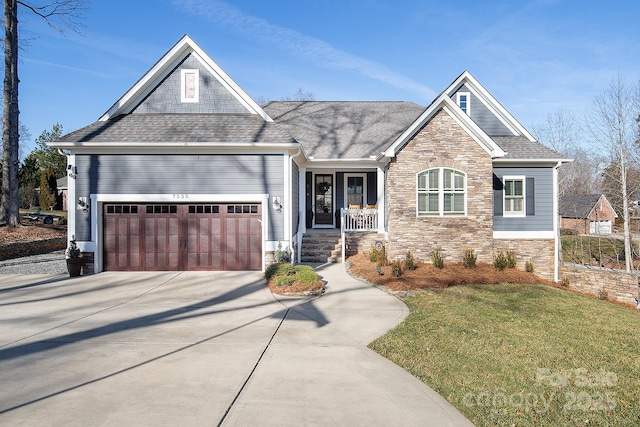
(577, 206)
(344, 129)
(141, 128)
(520, 148)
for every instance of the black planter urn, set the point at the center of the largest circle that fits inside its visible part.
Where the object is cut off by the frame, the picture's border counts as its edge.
(74, 266)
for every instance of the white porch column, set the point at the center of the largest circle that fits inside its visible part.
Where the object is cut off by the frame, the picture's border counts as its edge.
(381, 200)
(302, 206)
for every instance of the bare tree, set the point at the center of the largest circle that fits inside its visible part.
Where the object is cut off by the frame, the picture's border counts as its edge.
(59, 15)
(561, 132)
(611, 122)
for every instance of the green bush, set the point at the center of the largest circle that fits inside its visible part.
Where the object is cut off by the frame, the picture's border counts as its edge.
(280, 255)
(511, 259)
(436, 258)
(500, 261)
(285, 274)
(529, 267)
(470, 258)
(564, 281)
(378, 256)
(396, 268)
(409, 263)
(568, 232)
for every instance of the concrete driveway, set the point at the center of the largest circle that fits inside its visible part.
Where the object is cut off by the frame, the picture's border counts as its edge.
(202, 348)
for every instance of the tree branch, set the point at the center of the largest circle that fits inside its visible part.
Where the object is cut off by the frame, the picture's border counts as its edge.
(60, 14)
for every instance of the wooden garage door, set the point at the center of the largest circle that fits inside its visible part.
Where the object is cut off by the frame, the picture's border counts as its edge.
(182, 237)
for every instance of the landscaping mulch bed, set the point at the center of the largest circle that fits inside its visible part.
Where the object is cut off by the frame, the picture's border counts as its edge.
(31, 232)
(426, 276)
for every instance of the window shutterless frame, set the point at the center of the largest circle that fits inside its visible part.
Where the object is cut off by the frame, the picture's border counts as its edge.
(441, 192)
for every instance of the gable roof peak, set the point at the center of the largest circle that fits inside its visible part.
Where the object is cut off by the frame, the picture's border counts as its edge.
(466, 78)
(165, 65)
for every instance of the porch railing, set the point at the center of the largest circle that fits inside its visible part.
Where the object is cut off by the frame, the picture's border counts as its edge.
(359, 219)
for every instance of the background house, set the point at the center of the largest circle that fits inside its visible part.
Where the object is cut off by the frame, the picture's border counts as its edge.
(587, 214)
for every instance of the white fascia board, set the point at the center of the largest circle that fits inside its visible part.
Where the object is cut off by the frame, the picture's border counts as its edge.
(529, 235)
(445, 102)
(343, 163)
(474, 130)
(164, 66)
(159, 70)
(490, 102)
(229, 83)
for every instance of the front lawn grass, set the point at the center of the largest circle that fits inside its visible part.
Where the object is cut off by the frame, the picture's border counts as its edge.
(523, 355)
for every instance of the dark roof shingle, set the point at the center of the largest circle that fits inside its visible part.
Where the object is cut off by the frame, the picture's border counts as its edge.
(577, 206)
(344, 129)
(520, 148)
(159, 128)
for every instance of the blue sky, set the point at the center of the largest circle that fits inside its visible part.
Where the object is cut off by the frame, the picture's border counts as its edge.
(535, 57)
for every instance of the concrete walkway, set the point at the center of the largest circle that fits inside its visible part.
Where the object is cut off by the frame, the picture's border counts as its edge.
(202, 348)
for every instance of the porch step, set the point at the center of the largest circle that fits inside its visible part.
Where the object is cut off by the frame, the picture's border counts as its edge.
(325, 247)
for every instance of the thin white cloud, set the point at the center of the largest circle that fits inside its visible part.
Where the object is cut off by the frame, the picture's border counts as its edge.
(309, 48)
(64, 67)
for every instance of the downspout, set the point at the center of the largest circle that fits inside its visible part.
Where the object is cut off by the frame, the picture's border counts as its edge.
(556, 250)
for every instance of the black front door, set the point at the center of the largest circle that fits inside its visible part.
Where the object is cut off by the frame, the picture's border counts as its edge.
(324, 200)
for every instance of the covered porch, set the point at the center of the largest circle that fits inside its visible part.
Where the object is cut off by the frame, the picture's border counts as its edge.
(349, 200)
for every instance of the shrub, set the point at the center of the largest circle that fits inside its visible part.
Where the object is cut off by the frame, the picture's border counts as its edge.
(511, 259)
(568, 232)
(528, 266)
(280, 255)
(396, 268)
(285, 274)
(409, 264)
(603, 294)
(564, 281)
(470, 258)
(500, 261)
(378, 256)
(436, 258)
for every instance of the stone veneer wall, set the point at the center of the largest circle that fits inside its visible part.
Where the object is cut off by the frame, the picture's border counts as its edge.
(539, 252)
(619, 285)
(361, 242)
(440, 143)
(19, 249)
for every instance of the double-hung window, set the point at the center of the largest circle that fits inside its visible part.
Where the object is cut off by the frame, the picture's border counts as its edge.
(441, 191)
(514, 195)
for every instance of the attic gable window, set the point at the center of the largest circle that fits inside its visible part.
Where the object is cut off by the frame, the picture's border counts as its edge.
(464, 102)
(189, 85)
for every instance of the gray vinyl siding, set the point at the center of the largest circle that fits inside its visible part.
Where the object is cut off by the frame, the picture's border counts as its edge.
(180, 174)
(481, 115)
(541, 219)
(214, 97)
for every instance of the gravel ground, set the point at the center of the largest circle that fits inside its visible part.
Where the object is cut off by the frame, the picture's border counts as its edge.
(49, 263)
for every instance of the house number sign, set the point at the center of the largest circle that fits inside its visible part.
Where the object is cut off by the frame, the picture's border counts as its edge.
(180, 196)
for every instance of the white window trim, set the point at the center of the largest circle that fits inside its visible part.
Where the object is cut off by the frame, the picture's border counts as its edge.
(183, 85)
(468, 95)
(524, 196)
(441, 192)
(364, 188)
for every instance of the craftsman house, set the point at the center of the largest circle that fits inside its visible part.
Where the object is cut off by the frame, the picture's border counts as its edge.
(185, 171)
(587, 214)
